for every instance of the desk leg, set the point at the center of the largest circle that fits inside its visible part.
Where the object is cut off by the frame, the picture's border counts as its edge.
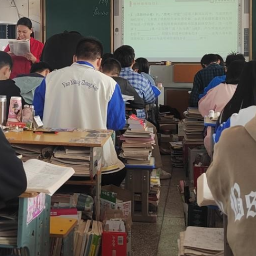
(95, 165)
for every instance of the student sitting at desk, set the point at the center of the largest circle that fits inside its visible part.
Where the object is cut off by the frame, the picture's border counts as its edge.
(80, 96)
(13, 181)
(7, 86)
(204, 76)
(141, 66)
(111, 67)
(126, 55)
(231, 179)
(29, 82)
(217, 98)
(244, 97)
(221, 79)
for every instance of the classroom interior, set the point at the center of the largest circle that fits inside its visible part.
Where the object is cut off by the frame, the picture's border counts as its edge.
(156, 232)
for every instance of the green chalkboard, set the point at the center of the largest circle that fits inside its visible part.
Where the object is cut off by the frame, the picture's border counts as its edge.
(89, 17)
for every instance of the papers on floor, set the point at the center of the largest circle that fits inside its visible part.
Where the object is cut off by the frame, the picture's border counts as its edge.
(201, 241)
(177, 154)
(19, 47)
(45, 177)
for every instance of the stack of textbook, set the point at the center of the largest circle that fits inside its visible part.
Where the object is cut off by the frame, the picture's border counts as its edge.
(177, 154)
(137, 143)
(201, 241)
(193, 125)
(154, 193)
(87, 240)
(76, 157)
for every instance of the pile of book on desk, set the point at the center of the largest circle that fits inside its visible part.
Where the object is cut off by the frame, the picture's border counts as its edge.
(76, 157)
(193, 125)
(154, 193)
(177, 154)
(201, 241)
(137, 143)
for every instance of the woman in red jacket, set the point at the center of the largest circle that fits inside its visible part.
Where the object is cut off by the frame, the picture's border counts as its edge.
(22, 65)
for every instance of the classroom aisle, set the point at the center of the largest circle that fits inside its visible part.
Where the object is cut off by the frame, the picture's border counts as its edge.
(160, 239)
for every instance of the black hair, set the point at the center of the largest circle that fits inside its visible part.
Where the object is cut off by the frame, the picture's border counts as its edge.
(106, 56)
(204, 61)
(245, 94)
(234, 56)
(143, 65)
(207, 59)
(234, 71)
(5, 60)
(40, 67)
(26, 22)
(89, 49)
(112, 66)
(136, 66)
(125, 55)
(220, 59)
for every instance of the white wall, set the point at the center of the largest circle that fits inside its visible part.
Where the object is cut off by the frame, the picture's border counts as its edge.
(12, 10)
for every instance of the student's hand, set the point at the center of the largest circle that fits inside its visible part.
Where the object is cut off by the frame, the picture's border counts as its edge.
(31, 57)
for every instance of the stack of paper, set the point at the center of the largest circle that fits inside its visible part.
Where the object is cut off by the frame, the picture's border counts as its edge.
(177, 154)
(77, 158)
(19, 47)
(193, 125)
(201, 241)
(137, 142)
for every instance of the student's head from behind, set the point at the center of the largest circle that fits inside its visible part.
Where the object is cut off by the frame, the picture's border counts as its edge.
(106, 56)
(91, 50)
(41, 68)
(135, 67)
(220, 60)
(125, 55)
(207, 59)
(234, 72)
(24, 28)
(111, 67)
(232, 57)
(143, 65)
(5, 65)
(245, 94)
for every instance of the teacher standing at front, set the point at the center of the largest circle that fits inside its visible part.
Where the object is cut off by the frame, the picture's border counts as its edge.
(22, 64)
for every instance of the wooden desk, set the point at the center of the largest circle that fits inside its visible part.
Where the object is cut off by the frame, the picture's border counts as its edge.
(93, 139)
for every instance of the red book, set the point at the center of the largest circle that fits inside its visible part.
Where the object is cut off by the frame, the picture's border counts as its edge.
(114, 243)
(64, 211)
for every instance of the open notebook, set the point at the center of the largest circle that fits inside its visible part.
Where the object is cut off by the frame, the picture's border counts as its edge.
(45, 177)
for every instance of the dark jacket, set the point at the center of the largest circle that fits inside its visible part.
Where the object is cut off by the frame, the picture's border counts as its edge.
(127, 89)
(13, 181)
(9, 89)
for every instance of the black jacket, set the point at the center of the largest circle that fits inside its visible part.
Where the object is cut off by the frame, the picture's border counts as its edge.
(127, 89)
(9, 89)
(13, 181)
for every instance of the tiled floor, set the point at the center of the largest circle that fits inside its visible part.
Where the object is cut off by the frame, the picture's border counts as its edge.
(160, 239)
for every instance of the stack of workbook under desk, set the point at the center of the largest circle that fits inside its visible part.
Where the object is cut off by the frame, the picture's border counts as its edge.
(193, 125)
(201, 241)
